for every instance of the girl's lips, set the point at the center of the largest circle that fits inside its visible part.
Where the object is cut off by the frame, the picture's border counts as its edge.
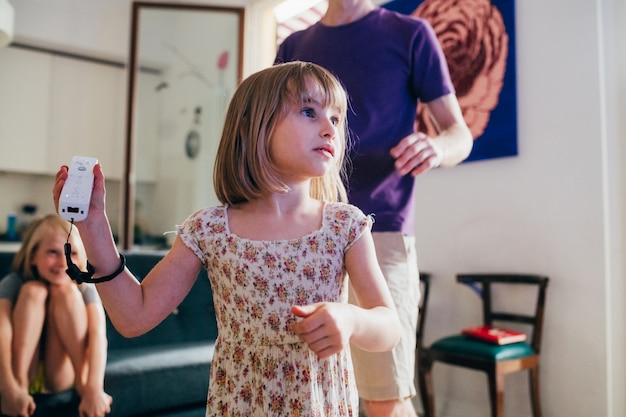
(327, 148)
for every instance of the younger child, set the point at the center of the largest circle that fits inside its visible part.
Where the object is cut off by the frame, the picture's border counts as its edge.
(278, 253)
(52, 331)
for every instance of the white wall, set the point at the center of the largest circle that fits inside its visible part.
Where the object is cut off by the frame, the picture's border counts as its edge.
(555, 209)
(614, 32)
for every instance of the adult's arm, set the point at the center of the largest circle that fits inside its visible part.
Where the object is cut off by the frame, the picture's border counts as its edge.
(419, 153)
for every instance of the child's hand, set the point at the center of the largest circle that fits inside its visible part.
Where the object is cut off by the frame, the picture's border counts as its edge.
(97, 195)
(96, 403)
(17, 403)
(325, 327)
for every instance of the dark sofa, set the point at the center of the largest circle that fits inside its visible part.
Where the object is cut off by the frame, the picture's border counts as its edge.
(164, 373)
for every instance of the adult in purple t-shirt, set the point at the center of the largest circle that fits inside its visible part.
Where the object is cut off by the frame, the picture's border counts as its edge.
(388, 62)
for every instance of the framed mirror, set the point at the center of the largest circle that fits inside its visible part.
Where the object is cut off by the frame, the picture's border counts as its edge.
(185, 62)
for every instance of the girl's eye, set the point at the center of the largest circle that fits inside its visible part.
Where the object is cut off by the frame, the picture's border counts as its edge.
(308, 112)
(334, 120)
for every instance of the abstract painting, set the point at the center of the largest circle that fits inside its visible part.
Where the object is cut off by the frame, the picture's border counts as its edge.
(478, 39)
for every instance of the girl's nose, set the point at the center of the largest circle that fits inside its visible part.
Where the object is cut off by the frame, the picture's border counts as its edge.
(329, 130)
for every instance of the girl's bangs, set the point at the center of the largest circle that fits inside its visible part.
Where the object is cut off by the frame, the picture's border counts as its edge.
(314, 86)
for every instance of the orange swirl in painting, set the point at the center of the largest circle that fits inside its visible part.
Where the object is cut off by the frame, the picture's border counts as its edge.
(475, 43)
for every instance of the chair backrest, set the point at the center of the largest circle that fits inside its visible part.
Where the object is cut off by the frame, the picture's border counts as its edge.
(483, 284)
(423, 304)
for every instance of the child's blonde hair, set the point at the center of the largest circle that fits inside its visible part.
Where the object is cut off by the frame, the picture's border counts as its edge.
(244, 169)
(39, 230)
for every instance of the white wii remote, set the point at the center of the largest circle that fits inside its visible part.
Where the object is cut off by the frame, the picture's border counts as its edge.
(76, 193)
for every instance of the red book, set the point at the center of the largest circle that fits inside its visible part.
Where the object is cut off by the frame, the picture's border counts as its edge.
(496, 335)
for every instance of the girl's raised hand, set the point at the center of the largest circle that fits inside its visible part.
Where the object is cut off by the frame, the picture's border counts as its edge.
(325, 327)
(97, 196)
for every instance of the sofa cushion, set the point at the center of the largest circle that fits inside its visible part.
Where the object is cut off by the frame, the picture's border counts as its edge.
(64, 403)
(6, 258)
(459, 344)
(142, 381)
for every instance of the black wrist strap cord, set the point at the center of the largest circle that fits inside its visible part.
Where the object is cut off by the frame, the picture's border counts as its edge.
(87, 277)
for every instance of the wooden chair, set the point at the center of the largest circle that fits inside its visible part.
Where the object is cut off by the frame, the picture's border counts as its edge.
(495, 360)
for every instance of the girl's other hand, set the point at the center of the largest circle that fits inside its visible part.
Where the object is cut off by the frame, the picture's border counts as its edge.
(325, 327)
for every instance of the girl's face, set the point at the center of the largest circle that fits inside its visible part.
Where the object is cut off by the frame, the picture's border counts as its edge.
(49, 258)
(306, 141)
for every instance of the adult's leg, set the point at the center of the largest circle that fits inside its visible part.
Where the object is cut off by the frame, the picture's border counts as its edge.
(386, 380)
(66, 338)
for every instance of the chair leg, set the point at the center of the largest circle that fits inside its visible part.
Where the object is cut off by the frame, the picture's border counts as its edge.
(425, 382)
(496, 393)
(533, 375)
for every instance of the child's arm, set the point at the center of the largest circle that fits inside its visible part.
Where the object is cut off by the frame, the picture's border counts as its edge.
(94, 401)
(373, 325)
(378, 326)
(134, 308)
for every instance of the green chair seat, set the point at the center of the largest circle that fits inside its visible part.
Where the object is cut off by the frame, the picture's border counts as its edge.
(467, 346)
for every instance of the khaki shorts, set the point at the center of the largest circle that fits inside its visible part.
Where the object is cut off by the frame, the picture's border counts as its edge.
(390, 375)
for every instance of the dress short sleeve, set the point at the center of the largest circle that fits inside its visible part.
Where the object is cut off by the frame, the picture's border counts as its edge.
(10, 286)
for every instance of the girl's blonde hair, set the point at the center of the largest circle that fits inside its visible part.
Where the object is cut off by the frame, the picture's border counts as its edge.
(39, 230)
(244, 169)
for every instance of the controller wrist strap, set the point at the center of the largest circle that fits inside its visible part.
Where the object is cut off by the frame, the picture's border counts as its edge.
(87, 277)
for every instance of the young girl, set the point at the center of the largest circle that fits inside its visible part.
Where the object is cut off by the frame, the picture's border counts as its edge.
(277, 252)
(52, 331)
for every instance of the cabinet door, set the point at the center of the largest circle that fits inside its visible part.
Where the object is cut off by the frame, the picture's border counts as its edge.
(24, 103)
(87, 114)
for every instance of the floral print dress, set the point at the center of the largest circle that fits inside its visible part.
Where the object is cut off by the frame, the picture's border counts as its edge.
(260, 368)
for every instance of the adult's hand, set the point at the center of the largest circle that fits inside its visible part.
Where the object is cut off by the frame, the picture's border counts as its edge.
(416, 154)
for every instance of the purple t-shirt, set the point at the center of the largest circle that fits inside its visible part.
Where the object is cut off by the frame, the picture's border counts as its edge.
(387, 62)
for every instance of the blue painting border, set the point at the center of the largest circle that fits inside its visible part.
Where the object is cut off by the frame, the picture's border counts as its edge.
(500, 136)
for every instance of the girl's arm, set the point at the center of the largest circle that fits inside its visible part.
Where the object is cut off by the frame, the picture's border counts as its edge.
(134, 308)
(377, 326)
(94, 401)
(373, 325)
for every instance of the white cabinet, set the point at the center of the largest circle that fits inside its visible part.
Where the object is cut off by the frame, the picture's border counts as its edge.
(24, 105)
(86, 114)
(53, 107)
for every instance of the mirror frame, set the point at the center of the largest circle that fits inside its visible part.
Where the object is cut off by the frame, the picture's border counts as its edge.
(126, 231)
